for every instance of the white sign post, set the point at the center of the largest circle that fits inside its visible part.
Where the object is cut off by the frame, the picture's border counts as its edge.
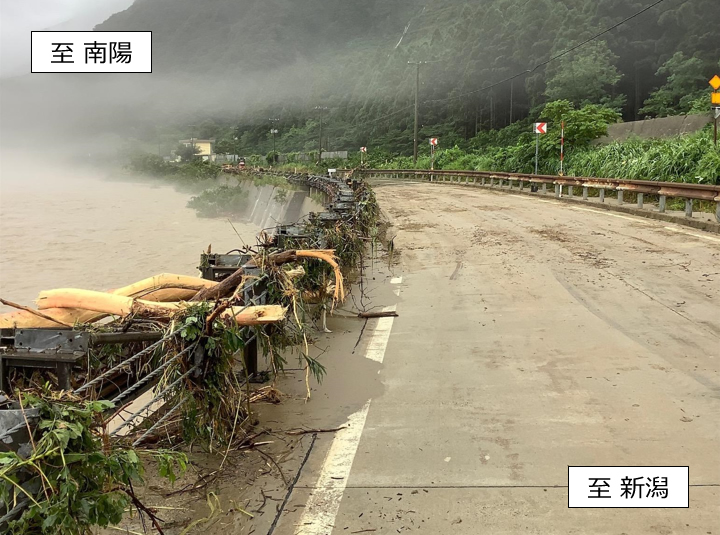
(433, 143)
(363, 151)
(540, 129)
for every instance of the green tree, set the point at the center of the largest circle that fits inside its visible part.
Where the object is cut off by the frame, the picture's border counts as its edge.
(685, 76)
(584, 76)
(187, 153)
(581, 125)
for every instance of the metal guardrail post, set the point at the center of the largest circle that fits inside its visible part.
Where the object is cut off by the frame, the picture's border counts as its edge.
(482, 181)
(522, 185)
(688, 208)
(717, 212)
(602, 194)
(640, 200)
(662, 203)
(544, 188)
(620, 197)
(570, 191)
(558, 191)
(585, 193)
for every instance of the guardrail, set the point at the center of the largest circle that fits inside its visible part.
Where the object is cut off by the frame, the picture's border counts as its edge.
(663, 190)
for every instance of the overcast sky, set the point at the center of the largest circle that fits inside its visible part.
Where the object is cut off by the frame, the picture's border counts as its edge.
(19, 17)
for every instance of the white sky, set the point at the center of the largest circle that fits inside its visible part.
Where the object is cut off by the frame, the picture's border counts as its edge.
(19, 17)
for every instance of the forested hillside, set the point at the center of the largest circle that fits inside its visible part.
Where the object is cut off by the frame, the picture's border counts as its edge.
(357, 54)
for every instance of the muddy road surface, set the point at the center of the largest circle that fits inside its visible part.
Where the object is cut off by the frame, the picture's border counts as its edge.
(531, 336)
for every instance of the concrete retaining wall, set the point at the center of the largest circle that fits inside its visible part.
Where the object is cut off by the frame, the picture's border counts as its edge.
(655, 128)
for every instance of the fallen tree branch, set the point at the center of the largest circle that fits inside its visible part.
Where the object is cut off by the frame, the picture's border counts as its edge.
(223, 289)
(33, 312)
(310, 431)
(389, 314)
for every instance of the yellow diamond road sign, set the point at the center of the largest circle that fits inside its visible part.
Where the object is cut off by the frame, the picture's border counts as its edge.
(715, 82)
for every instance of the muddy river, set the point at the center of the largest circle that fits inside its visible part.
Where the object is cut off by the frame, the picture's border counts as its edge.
(83, 230)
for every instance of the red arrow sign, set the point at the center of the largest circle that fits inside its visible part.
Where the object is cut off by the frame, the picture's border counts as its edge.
(363, 149)
(540, 128)
(433, 141)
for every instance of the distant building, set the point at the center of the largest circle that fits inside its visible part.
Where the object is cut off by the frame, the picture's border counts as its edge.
(205, 147)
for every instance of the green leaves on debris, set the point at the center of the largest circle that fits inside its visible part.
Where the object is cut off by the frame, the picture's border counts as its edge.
(75, 478)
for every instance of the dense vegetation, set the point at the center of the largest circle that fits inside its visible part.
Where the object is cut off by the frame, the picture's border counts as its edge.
(654, 65)
(688, 158)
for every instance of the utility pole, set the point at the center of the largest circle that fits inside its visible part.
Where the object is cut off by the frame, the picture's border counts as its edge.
(415, 129)
(512, 88)
(321, 109)
(192, 140)
(417, 105)
(492, 111)
(274, 131)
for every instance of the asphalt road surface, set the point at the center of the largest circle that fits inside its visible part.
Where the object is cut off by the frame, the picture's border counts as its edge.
(532, 335)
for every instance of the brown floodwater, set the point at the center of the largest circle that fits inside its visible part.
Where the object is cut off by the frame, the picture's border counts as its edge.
(79, 230)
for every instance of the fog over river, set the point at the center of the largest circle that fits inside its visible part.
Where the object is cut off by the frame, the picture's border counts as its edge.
(80, 230)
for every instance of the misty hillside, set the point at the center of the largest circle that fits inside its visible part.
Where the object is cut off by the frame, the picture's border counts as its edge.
(475, 44)
(254, 35)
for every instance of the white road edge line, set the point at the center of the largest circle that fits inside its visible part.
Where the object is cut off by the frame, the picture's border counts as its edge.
(681, 231)
(636, 219)
(323, 505)
(380, 337)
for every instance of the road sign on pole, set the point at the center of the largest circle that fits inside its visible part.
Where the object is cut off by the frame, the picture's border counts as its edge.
(715, 100)
(433, 143)
(363, 149)
(539, 129)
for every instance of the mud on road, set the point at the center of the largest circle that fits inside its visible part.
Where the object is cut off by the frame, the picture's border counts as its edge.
(531, 335)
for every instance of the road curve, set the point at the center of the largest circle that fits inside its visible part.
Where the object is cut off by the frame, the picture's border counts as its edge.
(532, 335)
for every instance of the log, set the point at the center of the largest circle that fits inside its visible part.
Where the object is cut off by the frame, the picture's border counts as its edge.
(226, 287)
(389, 314)
(123, 306)
(223, 289)
(163, 287)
